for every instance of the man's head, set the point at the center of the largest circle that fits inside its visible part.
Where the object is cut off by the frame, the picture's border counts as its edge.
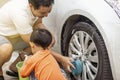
(41, 8)
(40, 38)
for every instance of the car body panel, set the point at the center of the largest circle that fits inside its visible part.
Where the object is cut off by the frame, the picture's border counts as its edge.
(101, 14)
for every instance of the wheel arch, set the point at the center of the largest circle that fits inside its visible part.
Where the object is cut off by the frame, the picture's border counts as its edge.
(74, 18)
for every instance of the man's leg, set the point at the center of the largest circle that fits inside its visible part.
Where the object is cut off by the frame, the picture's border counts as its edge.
(5, 52)
(19, 45)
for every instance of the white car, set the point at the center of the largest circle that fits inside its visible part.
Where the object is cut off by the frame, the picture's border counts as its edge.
(88, 30)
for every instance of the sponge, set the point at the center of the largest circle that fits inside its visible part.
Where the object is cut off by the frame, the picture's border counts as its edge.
(78, 67)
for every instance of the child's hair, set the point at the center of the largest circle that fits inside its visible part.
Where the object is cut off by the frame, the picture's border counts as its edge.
(41, 37)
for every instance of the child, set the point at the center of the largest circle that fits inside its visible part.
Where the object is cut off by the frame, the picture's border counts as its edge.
(42, 62)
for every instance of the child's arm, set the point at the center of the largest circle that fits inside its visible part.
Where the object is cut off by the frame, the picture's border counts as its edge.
(26, 59)
(27, 68)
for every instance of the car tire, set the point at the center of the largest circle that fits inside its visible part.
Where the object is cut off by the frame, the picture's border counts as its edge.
(103, 65)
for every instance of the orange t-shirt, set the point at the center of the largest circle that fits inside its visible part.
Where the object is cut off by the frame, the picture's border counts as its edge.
(44, 66)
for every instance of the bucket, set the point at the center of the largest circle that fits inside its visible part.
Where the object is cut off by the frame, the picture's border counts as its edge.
(19, 65)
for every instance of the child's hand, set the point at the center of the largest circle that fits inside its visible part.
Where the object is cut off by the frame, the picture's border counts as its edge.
(66, 62)
(26, 57)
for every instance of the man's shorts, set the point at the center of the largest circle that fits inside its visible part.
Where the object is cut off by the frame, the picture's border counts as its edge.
(17, 42)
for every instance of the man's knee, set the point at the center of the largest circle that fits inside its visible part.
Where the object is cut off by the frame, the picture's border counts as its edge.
(6, 51)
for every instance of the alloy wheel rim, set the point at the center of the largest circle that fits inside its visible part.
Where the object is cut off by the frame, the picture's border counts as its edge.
(83, 47)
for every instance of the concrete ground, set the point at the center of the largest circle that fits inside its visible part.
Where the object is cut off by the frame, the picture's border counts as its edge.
(6, 67)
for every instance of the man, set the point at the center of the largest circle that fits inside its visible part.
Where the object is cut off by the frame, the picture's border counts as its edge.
(17, 21)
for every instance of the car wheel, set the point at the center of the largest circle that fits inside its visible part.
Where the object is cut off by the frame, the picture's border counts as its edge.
(84, 42)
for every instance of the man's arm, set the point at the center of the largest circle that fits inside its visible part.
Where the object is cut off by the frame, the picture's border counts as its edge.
(38, 23)
(26, 37)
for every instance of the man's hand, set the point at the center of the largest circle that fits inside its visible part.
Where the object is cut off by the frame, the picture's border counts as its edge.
(66, 62)
(42, 26)
(37, 23)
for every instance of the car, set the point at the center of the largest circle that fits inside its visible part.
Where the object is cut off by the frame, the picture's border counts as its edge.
(88, 30)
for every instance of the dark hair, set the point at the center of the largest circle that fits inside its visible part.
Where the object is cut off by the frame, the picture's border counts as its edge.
(37, 3)
(41, 37)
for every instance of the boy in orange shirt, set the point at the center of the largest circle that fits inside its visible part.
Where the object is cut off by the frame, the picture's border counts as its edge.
(41, 62)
